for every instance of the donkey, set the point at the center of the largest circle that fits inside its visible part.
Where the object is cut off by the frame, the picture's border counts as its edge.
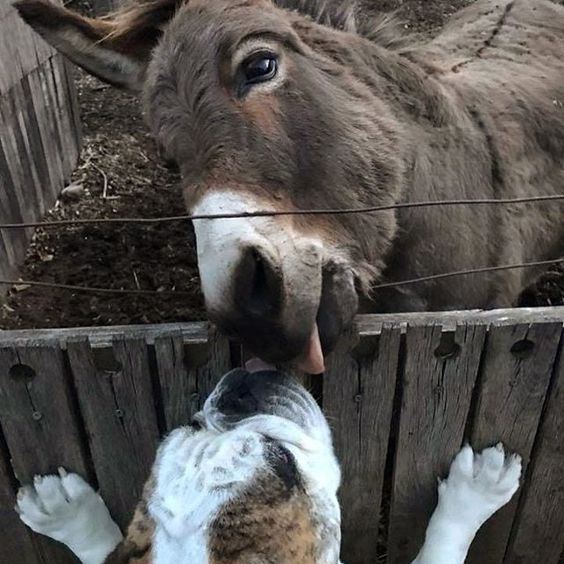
(273, 105)
(253, 481)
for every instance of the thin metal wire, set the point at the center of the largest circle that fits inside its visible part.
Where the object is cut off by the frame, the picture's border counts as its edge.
(343, 211)
(182, 293)
(467, 272)
(93, 289)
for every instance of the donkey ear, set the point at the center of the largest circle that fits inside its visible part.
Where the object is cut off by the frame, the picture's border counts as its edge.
(116, 49)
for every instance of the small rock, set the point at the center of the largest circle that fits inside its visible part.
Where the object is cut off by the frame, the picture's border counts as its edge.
(21, 287)
(73, 191)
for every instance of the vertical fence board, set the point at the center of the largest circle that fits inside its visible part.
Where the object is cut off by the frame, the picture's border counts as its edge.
(512, 394)
(40, 423)
(179, 386)
(16, 544)
(358, 396)
(45, 120)
(538, 534)
(65, 105)
(210, 372)
(188, 374)
(438, 380)
(120, 418)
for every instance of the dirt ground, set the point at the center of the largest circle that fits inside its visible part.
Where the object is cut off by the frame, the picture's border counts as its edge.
(121, 175)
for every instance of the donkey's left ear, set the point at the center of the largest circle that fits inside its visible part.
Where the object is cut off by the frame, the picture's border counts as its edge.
(116, 49)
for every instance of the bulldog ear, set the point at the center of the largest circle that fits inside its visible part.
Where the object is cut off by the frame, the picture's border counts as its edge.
(115, 48)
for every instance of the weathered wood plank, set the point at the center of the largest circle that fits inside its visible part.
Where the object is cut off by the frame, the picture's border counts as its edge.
(179, 386)
(36, 148)
(367, 325)
(54, 177)
(69, 74)
(187, 374)
(39, 420)
(538, 533)
(15, 201)
(370, 324)
(116, 401)
(358, 395)
(16, 543)
(438, 379)
(193, 333)
(10, 241)
(512, 393)
(30, 188)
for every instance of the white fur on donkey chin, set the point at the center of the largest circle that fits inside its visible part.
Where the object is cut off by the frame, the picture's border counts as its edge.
(478, 485)
(66, 509)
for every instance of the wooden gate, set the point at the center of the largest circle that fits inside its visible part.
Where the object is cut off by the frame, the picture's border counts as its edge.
(402, 394)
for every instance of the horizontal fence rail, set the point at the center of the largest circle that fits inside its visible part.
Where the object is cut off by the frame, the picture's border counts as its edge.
(402, 393)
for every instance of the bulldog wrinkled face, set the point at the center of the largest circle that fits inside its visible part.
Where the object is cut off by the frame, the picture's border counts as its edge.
(254, 479)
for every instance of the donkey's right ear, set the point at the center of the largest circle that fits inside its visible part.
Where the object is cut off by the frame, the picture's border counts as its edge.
(116, 49)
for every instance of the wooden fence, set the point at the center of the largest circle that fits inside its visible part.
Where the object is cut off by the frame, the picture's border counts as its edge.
(39, 132)
(402, 394)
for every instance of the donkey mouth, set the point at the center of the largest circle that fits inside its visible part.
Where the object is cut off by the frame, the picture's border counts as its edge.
(337, 307)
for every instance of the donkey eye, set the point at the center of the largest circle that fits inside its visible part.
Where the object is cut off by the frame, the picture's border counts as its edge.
(260, 68)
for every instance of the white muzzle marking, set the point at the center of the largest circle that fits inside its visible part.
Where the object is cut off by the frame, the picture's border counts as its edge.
(222, 242)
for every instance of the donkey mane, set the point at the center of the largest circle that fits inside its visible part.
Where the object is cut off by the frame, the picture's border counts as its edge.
(144, 19)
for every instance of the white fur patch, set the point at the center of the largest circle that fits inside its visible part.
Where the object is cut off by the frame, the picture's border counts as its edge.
(477, 486)
(198, 473)
(67, 509)
(222, 242)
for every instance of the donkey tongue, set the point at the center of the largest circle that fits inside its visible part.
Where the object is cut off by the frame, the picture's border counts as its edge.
(312, 362)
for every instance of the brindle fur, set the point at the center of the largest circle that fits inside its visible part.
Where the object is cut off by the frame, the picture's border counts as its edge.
(136, 545)
(362, 119)
(272, 519)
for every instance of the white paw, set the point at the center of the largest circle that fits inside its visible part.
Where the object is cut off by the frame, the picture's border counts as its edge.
(479, 484)
(67, 509)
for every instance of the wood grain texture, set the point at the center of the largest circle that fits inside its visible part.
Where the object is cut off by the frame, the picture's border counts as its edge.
(358, 394)
(16, 542)
(179, 385)
(516, 371)
(39, 132)
(538, 532)
(209, 363)
(120, 418)
(40, 423)
(437, 384)
(188, 373)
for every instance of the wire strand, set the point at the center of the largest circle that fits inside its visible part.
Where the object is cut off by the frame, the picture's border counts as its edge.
(93, 289)
(122, 291)
(467, 272)
(343, 211)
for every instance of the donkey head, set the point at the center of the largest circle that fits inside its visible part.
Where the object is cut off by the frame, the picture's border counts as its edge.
(263, 109)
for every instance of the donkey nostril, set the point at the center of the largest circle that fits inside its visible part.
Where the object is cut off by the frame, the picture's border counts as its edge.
(258, 284)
